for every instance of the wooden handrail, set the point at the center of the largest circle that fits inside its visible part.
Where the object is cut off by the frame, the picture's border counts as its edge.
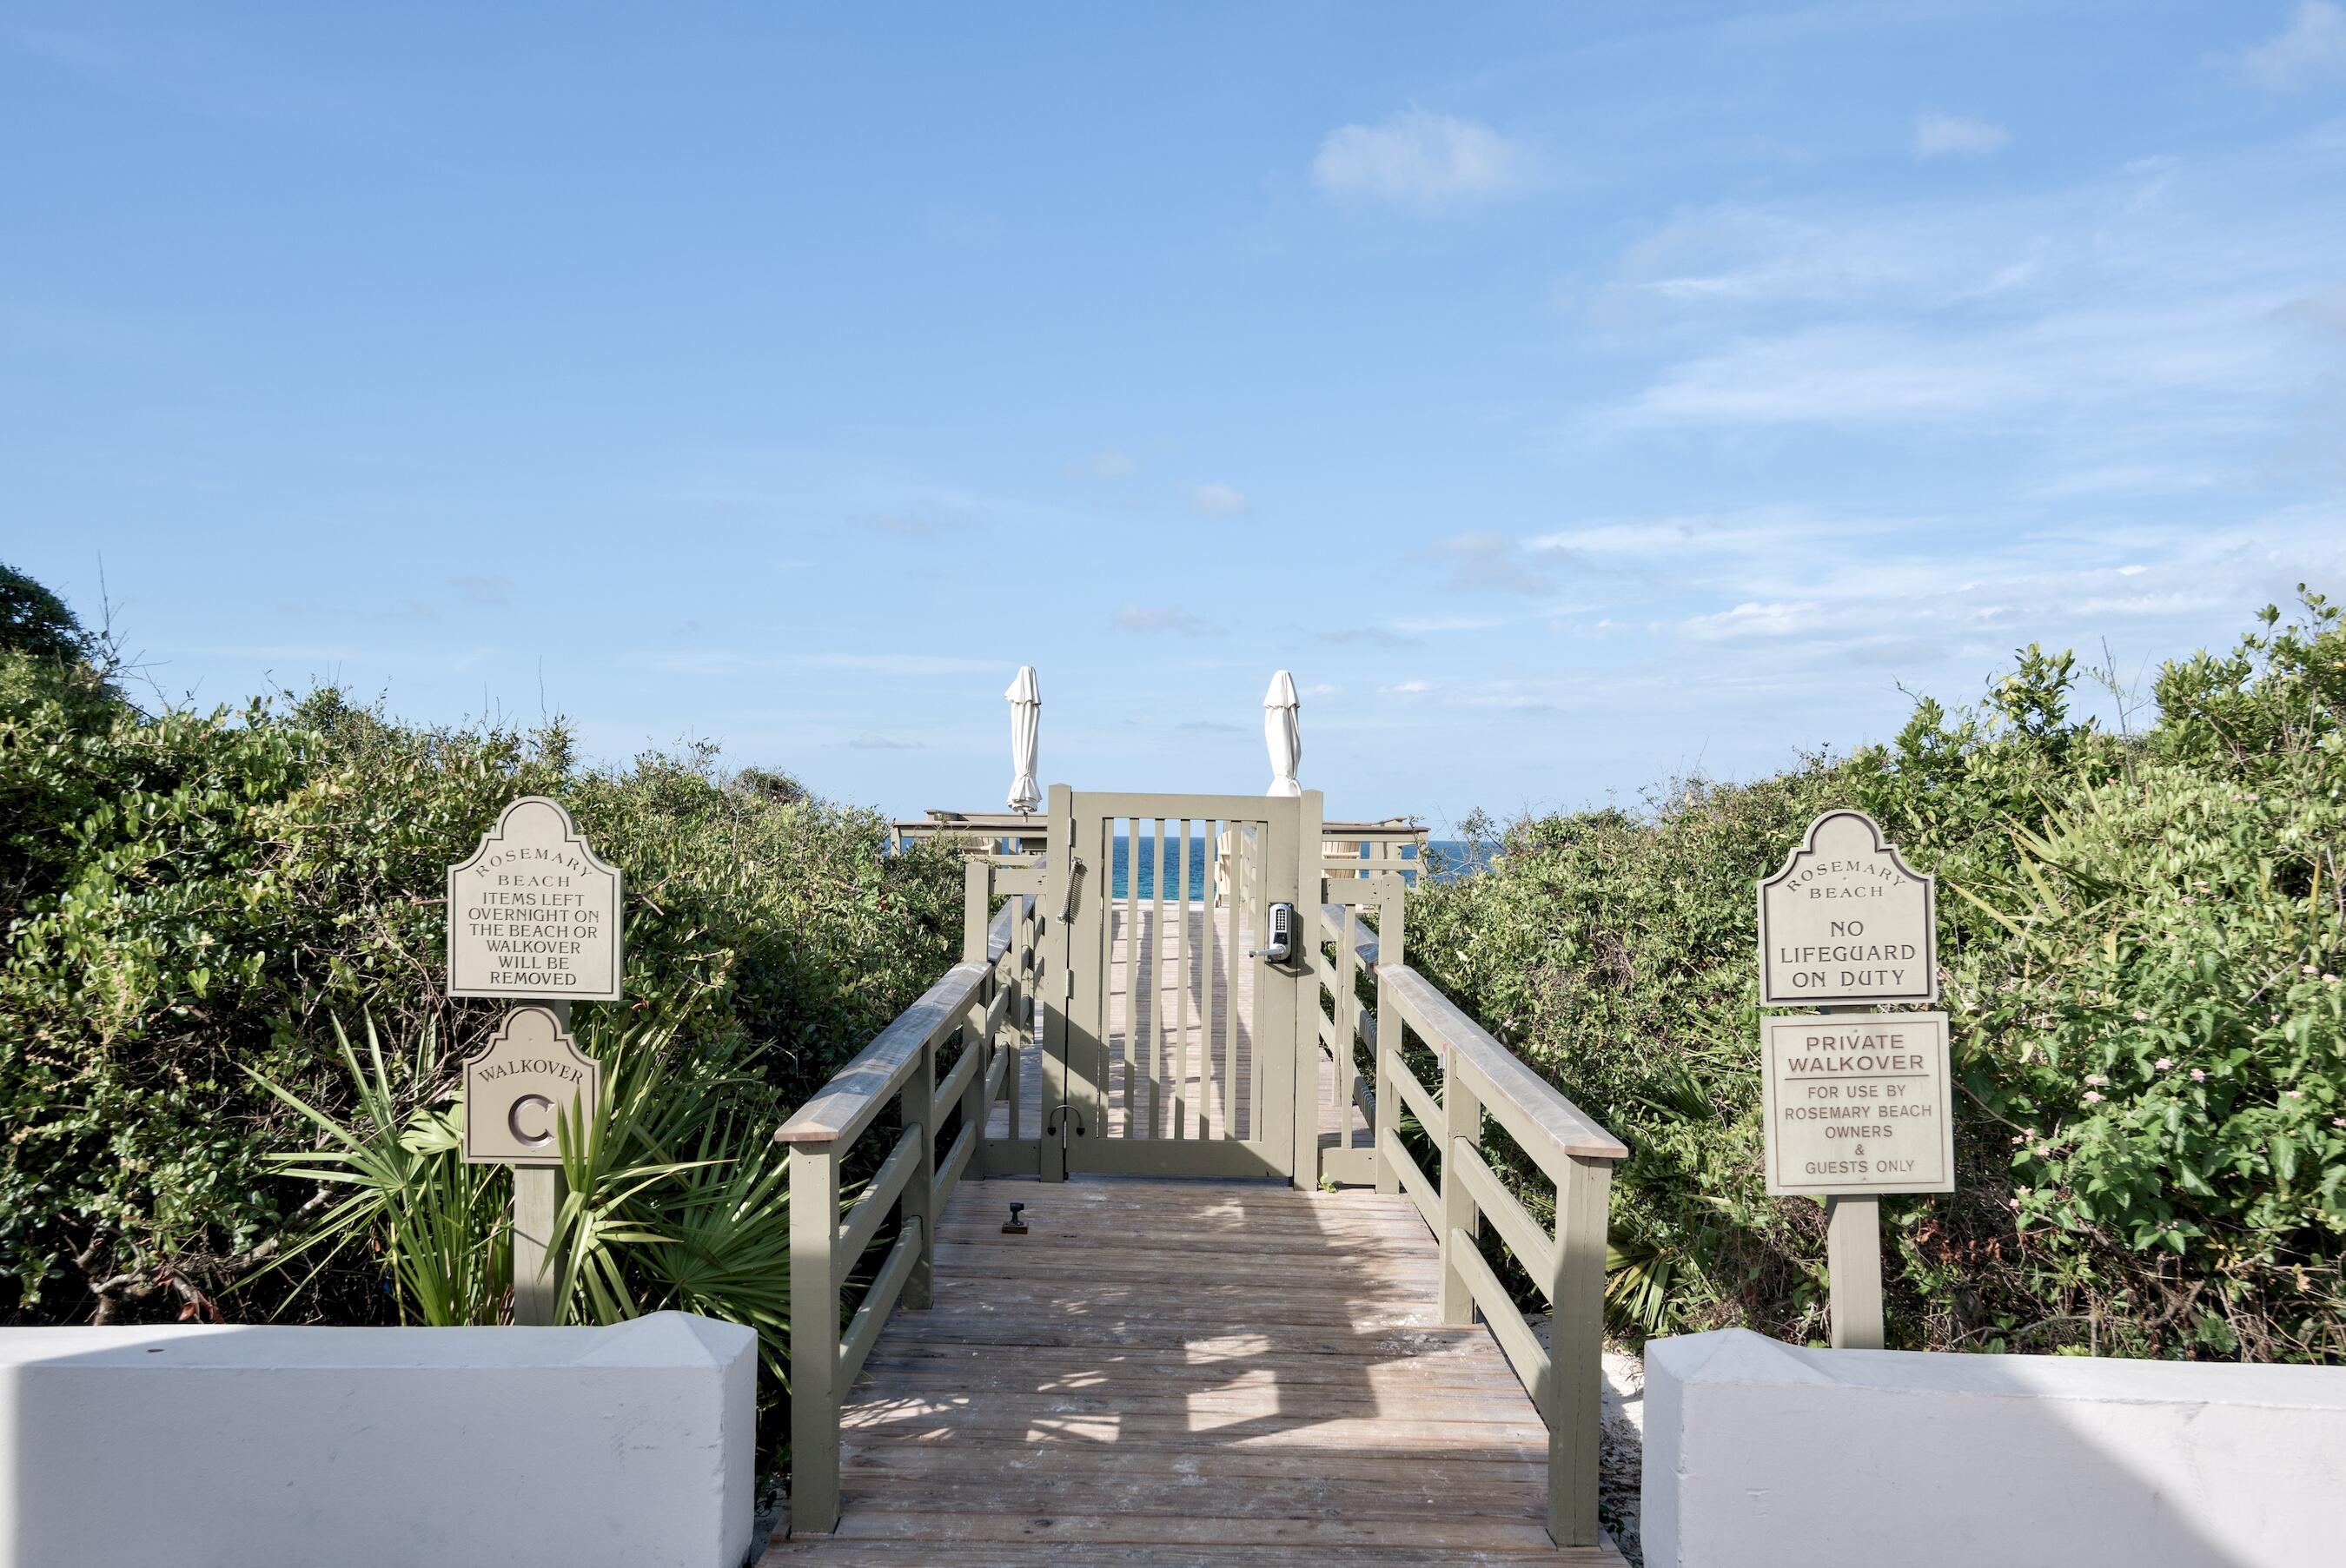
(1002, 932)
(846, 1105)
(1568, 1146)
(1344, 921)
(1541, 1112)
(974, 997)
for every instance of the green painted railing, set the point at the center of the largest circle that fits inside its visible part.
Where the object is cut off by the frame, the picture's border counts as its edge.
(970, 1003)
(1479, 1077)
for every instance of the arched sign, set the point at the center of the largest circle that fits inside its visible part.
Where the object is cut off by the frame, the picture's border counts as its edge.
(534, 916)
(530, 1073)
(1847, 922)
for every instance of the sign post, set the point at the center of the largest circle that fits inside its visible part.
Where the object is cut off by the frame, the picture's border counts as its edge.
(533, 917)
(1857, 1103)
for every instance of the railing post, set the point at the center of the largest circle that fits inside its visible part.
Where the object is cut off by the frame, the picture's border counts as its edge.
(978, 920)
(1461, 1123)
(1345, 1004)
(1062, 887)
(917, 1104)
(973, 1107)
(1392, 922)
(1576, 1350)
(976, 907)
(1307, 886)
(1022, 1000)
(815, 1272)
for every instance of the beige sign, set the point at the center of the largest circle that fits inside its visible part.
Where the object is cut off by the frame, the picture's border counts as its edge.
(1847, 920)
(533, 915)
(531, 1073)
(1857, 1103)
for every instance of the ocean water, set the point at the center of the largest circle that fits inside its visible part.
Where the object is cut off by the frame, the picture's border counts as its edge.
(1456, 860)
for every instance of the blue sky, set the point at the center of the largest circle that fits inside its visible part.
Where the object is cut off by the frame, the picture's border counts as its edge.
(1569, 395)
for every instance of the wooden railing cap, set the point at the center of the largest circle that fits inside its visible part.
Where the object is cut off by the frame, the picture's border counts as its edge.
(999, 934)
(847, 1103)
(1446, 1028)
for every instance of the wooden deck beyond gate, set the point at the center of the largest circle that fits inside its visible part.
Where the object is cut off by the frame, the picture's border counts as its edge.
(1169, 1371)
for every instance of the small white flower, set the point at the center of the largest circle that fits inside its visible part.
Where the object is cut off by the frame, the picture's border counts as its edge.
(2197, 1076)
(2164, 1064)
(2092, 1098)
(2096, 1079)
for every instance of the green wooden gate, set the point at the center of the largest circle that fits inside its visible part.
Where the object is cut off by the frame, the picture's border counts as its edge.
(1170, 1046)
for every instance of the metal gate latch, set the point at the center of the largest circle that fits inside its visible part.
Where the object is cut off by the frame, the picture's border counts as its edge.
(1015, 1225)
(1281, 946)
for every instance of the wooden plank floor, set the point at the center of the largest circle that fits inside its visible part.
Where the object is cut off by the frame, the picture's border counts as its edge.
(1185, 1372)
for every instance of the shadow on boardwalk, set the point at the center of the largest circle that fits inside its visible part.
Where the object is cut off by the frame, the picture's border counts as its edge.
(1171, 1372)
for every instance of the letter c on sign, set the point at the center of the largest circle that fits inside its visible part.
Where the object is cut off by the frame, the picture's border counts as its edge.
(513, 1121)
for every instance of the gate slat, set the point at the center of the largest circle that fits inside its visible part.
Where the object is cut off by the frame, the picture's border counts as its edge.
(1181, 960)
(1131, 970)
(1157, 982)
(1229, 997)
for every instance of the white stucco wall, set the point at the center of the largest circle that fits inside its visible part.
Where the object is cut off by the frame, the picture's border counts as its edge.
(1759, 1454)
(628, 1447)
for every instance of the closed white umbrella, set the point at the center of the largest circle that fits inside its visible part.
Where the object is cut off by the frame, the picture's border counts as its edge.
(1279, 733)
(1025, 739)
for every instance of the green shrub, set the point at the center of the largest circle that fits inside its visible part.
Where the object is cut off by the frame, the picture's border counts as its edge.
(2139, 938)
(190, 896)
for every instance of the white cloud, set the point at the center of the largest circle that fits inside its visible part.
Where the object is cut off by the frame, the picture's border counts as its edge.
(2150, 333)
(1938, 135)
(1108, 464)
(1882, 375)
(1145, 618)
(1218, 501)
(1422, 161)
(732, 661)
(1407, 688)
(1482, 561)
(2310, 49)
(1756, 530)
(1417, 626)
(1739, 259)
(1755, 620)
(892, 664)
(490, 591)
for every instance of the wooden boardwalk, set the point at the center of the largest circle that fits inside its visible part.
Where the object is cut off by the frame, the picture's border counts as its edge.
(1186, 1372)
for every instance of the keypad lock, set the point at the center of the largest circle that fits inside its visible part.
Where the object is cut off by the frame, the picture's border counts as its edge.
(1279, 945)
